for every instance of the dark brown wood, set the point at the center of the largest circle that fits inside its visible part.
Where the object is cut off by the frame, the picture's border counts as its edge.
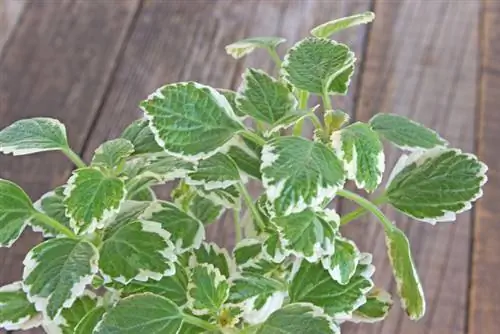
(421, 62)
(57, 63)
(176, 41)
(483, 310)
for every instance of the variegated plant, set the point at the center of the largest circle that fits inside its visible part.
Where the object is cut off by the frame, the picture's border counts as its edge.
(118, 260)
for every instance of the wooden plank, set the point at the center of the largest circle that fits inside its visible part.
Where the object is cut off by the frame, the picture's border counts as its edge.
(178, 41)
(421, 63)
(57, 63)
(10, 12)
(483, 308)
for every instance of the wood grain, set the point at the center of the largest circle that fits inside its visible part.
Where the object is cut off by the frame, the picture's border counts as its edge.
(484, 311)
(421, 63)
(178, 41)
(10, 12)
(57, 63)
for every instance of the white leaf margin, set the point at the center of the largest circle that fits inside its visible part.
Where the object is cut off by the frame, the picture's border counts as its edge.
(335, 271)
(218, 279)
(23, 323)
(219, 99)
(351, 167)
(419, 157)
(274, 191)
(95, 224)
(168, 254)
(77, 289)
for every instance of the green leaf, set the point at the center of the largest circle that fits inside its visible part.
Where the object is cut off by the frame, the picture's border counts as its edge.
(190, 120)
(264, 98)
(141, 136)
(257, 295)
(298, 173)
(308, 234)
(91, 198)
(377, 307)
(287, 121)
(16, 312)
(15, 211)
(344, 261)
(90, 321)
(273, 248)
(334, 120)
(146, 194)
(247, 161)
(231, 98)
(340, 84)
(57, 271)
(129, 211)
(210, 253)
(138, 250)
(405, 273)
(142, 313)
(313, 284)
(33, 135)
(52, 204)
(186, 231)
(72, 316)
(314, 63)
(251, 257)
(247, 251)
(363, 155)
(404, 133)
(218, 171)
(111, 153)
(435, 185)
(228, 197)
(294, 318)
(172, 287)
(325, 30)
(245, 46)
(208, 289)
(156, 169)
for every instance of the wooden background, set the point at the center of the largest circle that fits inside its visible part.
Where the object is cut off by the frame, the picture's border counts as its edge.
(89, 63)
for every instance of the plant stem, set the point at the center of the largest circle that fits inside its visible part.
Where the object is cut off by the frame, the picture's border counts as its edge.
(251, 206)
(200, 323)
(274, 55)
(327, 103)
(253, 137)
(359, 212)
(315, 120)
(303, 97)
(50, 222)
(363, 202)
(74, 158)
(237, 224)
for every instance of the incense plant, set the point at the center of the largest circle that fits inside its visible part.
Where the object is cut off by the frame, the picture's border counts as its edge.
(118, 260)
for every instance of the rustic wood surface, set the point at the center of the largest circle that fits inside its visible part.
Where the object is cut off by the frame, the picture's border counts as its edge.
(89, 63)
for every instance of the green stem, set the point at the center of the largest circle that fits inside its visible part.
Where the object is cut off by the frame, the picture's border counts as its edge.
(251, 206)
(303, 97)
(367, 205)
(200, 323)
(327, 103)
(237, 224)
(275, 56)
(74, 158)
(359, 212)
(50, 222)
(253, 137)
(315, 120)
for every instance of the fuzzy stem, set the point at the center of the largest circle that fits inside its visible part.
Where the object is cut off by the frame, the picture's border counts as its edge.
(74, 157)
(253, 137)
(274, 55)
(327, 103)
(359, 212)
(251, 206)
(366, 204)
(50, 222)
(303, 97)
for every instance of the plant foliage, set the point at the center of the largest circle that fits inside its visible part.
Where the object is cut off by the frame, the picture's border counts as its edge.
(118, 260)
